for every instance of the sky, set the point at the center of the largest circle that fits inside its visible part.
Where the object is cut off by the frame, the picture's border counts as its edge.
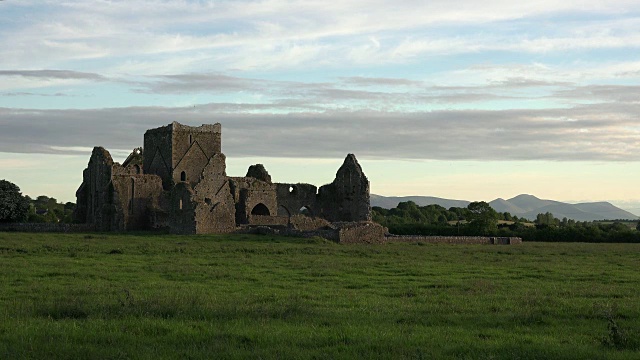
(460, 99)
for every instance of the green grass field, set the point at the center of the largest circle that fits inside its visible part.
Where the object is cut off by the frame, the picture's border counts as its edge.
(141, 296)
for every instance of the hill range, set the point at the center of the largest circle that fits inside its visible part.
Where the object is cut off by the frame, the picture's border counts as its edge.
(527, 206)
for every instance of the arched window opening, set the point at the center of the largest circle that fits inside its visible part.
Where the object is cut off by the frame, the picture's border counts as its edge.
(190, 139)
(180, 204)
(291, 188)
(305, 211)
(136, 169)
(183, 176)
(260, 209)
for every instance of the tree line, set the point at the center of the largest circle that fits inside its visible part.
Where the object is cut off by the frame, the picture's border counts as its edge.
(480, 219)
(15, 207)
(477, 219)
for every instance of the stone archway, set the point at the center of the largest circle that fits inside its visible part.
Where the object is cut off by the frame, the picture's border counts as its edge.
(260, 209)
(306, 210)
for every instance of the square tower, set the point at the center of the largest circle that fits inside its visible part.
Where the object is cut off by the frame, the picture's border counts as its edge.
(179, 153)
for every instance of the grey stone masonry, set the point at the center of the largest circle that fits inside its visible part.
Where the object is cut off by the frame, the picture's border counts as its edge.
(178, 182)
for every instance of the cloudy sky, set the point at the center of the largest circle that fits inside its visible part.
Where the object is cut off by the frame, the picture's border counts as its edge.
(460, 99)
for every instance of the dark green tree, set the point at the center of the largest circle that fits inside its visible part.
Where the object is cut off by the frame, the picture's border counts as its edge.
(484, 219)
(13, 206)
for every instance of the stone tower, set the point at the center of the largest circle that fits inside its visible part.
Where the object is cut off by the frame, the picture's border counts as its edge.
(347, 197)
(179, 153)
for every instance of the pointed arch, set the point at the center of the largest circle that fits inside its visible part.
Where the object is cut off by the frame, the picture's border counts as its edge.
(260, 209)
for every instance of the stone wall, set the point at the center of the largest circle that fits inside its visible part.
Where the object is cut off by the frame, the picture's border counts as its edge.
(268, 220)
(157, 154)
(46, 227)
(179, 152)
(133, 197)
(347, 197)
(182, 209)
(178, 180)
(207, 137)
(308, 223)
(293, 197)
(253, 197)
(214, 204)
(93, 195)
(363, 232)
(454, 239)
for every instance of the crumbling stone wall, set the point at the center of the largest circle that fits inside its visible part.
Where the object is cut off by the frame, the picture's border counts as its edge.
(182, 209)
(134, 163)
(293, 197)
(46, 227)
(455, 239)
(93, 196)
(258, 171)
(158, 154)
(113, 197)
(133, 198)
(179, 181)
(308, 223)
(268, 220)
(347, 197)
(214, 204)
(253, 197)
(362, 232)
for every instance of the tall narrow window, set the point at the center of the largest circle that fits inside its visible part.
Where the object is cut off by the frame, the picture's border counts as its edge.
(190, 140)
(180, 204)
(183, 176)
(133, 195)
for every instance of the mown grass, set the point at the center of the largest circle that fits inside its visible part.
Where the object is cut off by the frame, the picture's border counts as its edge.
(145, 296)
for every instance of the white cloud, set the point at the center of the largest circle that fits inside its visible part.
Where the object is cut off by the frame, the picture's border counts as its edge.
(281, 34)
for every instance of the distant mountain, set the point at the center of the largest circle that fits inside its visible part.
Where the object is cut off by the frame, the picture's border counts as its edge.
(579, 212)
(604, 207)
(524, 205)
(502, 205)
(562, 210)
(528, 202)
(389, 202)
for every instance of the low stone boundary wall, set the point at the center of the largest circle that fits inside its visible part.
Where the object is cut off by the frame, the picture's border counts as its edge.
(344, 233)
(455, 239)
(360, 233)
(46, 227)
(268, 220)
(307, 223)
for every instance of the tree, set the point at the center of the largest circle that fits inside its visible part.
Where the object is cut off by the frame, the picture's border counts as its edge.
(483, 218)
(638, 226)
(546, 219)
(13, 206)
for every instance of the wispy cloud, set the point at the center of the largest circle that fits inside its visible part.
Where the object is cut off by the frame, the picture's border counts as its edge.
(437, 79)
(284, 34)
(53, 74)
(21, 94)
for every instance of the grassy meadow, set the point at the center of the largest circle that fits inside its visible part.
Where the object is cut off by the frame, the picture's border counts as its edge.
(146, 296)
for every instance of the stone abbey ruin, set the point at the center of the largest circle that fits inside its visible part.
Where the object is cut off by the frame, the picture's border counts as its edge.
(177, 181)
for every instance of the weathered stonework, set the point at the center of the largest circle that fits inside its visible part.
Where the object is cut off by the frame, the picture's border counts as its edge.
(347, 197)
(467, 240)
(179, 182)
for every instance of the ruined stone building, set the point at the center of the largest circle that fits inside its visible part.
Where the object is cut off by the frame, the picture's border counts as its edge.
(178, 181)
